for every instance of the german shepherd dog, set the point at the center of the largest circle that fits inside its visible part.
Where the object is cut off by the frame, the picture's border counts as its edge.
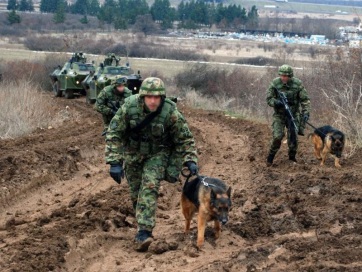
(326, 140)
(209, 197)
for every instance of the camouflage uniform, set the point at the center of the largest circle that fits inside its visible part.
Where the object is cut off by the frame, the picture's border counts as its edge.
(298, 100)
(108, 102)
(147, 153)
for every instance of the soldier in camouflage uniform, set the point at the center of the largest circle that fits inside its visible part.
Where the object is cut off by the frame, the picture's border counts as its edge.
(299, 104)
(146, 134)
(111, 98)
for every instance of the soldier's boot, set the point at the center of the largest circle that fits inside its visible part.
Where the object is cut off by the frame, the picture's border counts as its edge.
(269, 159)
(301, 132)
(292, 157)
(143, 240)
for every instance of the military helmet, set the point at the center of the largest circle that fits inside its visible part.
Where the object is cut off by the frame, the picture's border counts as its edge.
(119, 81)
(152, 86)
(285, 70)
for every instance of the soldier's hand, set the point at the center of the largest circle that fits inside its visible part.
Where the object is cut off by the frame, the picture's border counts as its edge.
(192, 167)
(306, 117)
(278, 103)
(116, 172)
(114, 112)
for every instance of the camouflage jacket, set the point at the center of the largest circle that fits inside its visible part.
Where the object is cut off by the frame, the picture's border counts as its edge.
(108, 101)
(167, 132)
(295, 92)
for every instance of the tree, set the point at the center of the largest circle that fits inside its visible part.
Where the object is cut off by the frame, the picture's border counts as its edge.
(80, 7)
(145, 24)
(30, 5)
(94, 7)
(23, 5)
(253, 17)
(59, 15)
(50, 5)
(107, 11)
(12, 5)
(84, 19)
(161, 11)
(13, 17)
(120, 23)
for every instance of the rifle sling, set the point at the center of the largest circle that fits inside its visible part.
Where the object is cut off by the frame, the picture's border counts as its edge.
(148, 119)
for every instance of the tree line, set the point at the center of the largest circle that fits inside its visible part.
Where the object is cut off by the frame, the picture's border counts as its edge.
(123, 13)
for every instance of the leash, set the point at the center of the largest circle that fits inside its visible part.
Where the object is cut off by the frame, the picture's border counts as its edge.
(325, 135)
(201, 178)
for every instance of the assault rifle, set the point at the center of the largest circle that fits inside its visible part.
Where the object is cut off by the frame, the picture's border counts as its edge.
(292, 127)
(114, 106)
(284, 101)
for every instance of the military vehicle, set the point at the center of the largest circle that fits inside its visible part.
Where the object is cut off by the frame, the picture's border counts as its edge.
(67, 80)
(109, 69)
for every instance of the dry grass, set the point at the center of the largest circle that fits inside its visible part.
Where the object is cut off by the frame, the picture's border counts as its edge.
(22, 109)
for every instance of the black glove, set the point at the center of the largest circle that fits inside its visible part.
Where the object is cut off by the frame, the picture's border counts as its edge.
(305, 117)
(116, 172)
(114, 112)
(192, 167)
(278, 103)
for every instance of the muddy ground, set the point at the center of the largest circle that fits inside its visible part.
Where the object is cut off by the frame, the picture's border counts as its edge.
(60, 210)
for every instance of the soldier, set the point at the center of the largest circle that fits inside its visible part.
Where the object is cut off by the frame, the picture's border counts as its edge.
(297, 99)
(111, 98)
(146, 134)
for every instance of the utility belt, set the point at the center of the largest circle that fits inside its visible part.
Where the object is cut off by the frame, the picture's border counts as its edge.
(145, 145)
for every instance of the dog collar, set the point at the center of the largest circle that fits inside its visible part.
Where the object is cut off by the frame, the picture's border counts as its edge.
(207, 184)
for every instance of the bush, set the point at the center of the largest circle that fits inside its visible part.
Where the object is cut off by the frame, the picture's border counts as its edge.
(239, 87)
(36, 72)
(105, 46)
(22, 109)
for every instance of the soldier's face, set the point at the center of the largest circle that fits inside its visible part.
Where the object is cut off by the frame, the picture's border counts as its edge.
(152, 102)
(284, 78)
(120, 88)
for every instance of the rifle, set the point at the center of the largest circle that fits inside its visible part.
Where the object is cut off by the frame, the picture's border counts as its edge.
(292, 127)
(113, 105)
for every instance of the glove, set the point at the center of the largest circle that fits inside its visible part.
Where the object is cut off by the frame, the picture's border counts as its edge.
(116, 172)
(278, 103)
(114, 112)
(306, 117)
(192, 167)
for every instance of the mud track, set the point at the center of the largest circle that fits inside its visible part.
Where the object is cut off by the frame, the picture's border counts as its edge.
(60, 211)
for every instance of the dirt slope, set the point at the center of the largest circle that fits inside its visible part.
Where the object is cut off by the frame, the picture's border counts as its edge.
(60, 211)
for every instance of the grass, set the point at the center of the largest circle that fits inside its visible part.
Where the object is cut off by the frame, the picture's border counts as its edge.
(22, 109)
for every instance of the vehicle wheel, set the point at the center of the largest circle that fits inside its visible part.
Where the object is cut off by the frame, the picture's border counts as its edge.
(56, 89)
(68, 94)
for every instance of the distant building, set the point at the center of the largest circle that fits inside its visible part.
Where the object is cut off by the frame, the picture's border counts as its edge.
(270, 6)
(318, 39)
(284, 1)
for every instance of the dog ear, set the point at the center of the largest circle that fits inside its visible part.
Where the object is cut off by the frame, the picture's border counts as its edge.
(228, 192)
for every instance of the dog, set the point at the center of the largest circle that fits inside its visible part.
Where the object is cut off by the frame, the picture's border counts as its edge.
(326, 140)
(210, 197)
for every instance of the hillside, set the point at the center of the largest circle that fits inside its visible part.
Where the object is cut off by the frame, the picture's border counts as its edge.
(60, 210)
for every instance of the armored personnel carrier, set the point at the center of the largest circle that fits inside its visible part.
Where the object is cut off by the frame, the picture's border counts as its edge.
(67, 80)
(109, 69)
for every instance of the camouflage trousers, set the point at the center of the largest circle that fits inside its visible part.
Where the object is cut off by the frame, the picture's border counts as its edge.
(144, 179)
(280, 123)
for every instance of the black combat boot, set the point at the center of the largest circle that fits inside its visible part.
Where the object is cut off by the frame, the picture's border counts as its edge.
(269, 159)
(143, 240)
(292, 158)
